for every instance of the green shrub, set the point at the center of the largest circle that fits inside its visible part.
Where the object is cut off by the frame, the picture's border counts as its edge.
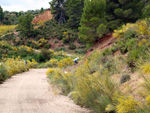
(72, 46)
(129, 34)
(40, 58)
(114, 24)
(81, 51)
(35, 46)
(109, 66)
(3, 72)
(56, 42)
(146, 12)
(102, 30)
(60, 36)
(29, 43)
(47, 46)
(135, 54)
(106, 52)
(121, 46)
(124, 78)
(47, 54)
(61, 49)
(113, 49)
(64, 80)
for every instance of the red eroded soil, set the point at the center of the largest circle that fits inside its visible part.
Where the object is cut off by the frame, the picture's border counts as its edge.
(104, 42)
(43, 17)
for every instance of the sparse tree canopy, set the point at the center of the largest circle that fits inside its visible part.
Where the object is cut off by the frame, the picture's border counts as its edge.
(58, 11)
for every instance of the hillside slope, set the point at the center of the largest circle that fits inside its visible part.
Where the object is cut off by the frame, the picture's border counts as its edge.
(45, 16)
(103, 43)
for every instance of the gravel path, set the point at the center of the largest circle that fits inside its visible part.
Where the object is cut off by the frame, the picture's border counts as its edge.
(30, 92)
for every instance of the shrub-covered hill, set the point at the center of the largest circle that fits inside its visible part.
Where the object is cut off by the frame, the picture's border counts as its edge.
(115, 79)
(47, 35)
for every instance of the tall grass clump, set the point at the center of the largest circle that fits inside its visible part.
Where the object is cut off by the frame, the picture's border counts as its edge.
(64, 80)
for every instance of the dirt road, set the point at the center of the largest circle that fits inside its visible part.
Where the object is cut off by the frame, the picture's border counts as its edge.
(30, 92)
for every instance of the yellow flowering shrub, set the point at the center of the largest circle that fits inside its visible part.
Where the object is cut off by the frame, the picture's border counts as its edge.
(42, 42)
(64, 80)
(147, 104)
(143, 42)
(110, 108)
(145, 68)
(87, 88)
(24, 47)
(4, 44)
(50, 71)
(65, 62)
(95, 89)
(11, 66)
(32, 64)
(15, 66)
(143, 27)
(147, 100)
(120, 33)
(65, 34)
(54, 62)
(126, 105)
(41, 23)
(6, 28)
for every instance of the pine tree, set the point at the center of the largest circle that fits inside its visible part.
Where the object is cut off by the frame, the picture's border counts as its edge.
(92, 21)
(146, 12)
(74, 10)
(1, 14)
(42, 10)
(25, 25)
(58, 11)
(119, 12)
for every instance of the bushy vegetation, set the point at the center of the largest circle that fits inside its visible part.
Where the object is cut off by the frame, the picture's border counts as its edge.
(6, 29)
(133, 38)
(25, 52)
(99, 82)
(25, 25)
(59, 60)
(92, 20)
(11, 66)
(89, 84)
(93, 85)
(11, 18)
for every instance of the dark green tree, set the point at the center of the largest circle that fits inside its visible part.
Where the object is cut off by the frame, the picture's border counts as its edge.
(74, 10)
(25, 25)
(1, 14)
(92, 21)
(58, 11)
(119, 12)
(146, 11)
(42, 10)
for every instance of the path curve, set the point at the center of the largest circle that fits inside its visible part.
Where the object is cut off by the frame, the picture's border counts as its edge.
(30, 92)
